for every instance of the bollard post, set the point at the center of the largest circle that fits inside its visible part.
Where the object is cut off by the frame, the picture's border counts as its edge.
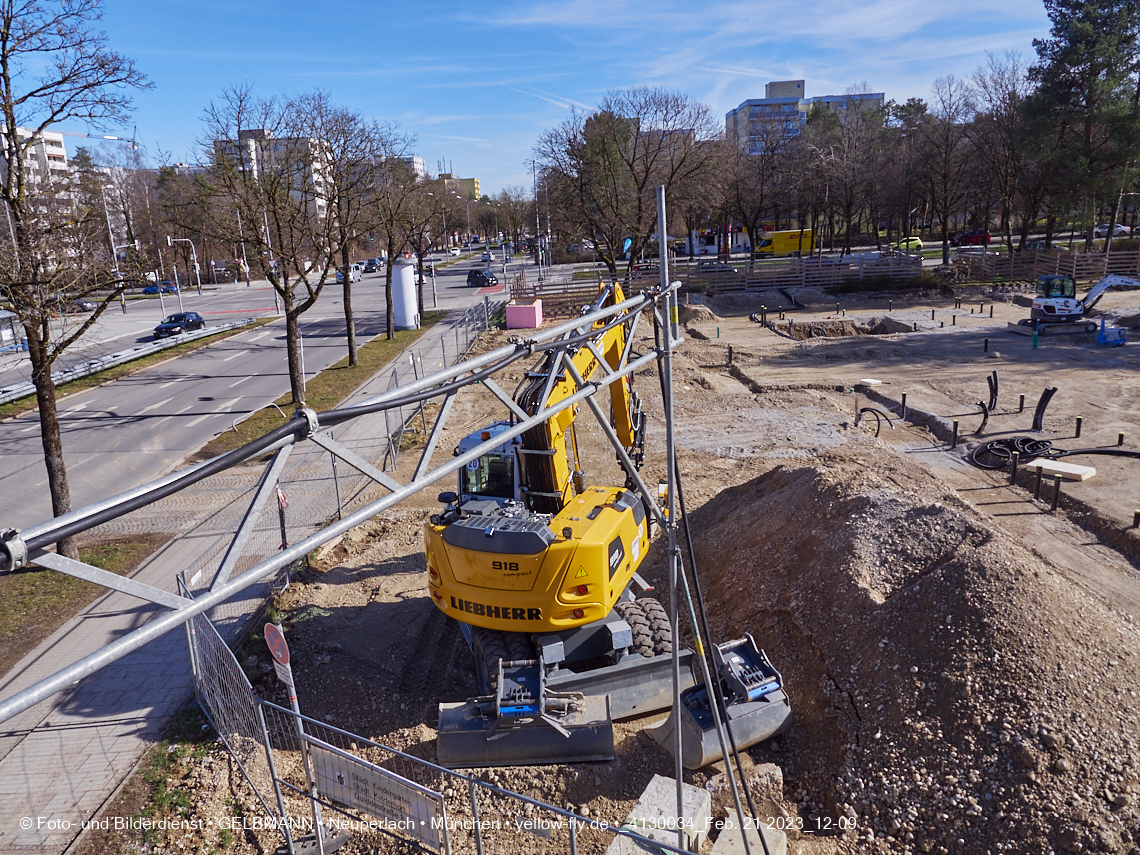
(1034, 340)
(1021, 403)
(953, 320)
(890, 306)
(903, 414)
(1077, 435)
(1136, 519)
(837, 308)
(932, 314)
(1013, 458)
(916, 326)
(991, 310)
(954, 441)
(1056, 492)
(1120, 438)
(730, 354)
(1037, 485)
(985, 345)
(718, 336)
(981, 308)
(941, 325)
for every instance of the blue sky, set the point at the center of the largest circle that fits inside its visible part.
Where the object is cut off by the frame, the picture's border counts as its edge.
(477, 83)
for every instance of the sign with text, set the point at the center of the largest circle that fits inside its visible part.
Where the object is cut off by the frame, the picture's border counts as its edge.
(404, 807)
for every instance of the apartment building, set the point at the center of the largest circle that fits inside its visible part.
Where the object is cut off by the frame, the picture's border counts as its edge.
(259, 152)
(761, 123)
(45, 165)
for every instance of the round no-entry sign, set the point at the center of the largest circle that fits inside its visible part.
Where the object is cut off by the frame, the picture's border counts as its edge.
(278, 649)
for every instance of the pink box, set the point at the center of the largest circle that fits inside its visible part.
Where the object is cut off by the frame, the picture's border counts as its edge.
(523, 316)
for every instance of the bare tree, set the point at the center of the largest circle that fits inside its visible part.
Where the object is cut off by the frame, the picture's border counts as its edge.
(1000, 91)
(265, 158)
(943, 150)
(395, 197)
(54, 66)
(603, 169)
(350, 149)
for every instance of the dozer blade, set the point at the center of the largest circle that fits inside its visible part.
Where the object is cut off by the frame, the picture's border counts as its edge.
(468, 738)
(757, 707)
(751, 723)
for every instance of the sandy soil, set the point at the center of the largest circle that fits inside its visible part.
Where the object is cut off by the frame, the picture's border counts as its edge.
(962, 663)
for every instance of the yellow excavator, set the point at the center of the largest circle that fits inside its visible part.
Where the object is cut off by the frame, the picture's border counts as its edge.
(540, 571)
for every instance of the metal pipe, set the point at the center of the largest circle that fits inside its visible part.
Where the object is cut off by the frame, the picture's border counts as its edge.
(159, 626)
(666, 371)
(1056, 492)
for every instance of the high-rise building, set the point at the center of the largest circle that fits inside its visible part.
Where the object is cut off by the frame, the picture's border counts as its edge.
(469, 187)
(45, 163)
(760, 123)
(258, 151)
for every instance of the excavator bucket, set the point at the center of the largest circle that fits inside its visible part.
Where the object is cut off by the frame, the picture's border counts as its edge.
(524, 724)
(757, 706)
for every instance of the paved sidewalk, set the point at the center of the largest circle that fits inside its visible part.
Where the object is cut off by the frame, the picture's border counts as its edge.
(63, 759)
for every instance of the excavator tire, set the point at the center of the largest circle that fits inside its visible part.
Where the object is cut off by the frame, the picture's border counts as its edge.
(632, 613)
(489, 647)
(518, 646)
(660, 631)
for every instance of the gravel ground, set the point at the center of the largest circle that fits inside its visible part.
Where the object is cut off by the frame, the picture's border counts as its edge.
(962, 663)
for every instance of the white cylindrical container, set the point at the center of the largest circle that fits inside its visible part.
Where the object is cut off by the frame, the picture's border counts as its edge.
(404, 301)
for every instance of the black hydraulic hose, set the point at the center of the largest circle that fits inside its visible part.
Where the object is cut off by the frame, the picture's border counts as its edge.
(334, 417)
(212, 467)
(718, 691)
(297, 425)
(1112, 452)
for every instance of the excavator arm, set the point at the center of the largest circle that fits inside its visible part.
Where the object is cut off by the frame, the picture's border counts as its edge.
(1098, 290)
(546, 475)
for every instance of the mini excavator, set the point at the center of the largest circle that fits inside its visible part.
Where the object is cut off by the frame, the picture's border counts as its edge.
(540, 571)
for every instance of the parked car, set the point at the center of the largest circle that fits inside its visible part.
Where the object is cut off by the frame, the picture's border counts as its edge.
(968, 252)
(481, 278)
(907, 244)
(646, 269)
(974, 237)
(1037, 246)
(167, 288)
(179, 323)
(1118, 230)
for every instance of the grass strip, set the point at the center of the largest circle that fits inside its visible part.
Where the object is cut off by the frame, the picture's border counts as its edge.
(35, 602)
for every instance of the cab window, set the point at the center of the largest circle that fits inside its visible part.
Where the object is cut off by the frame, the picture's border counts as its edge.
(490, 475)
(1056, 286)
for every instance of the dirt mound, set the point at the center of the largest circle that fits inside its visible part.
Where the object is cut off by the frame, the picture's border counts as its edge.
(883, 326)
(839, 327)
(696, 313)
(951, 692)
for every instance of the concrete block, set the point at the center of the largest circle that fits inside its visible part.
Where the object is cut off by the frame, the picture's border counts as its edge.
(1067, 471)
(655, 816)
(730, 843)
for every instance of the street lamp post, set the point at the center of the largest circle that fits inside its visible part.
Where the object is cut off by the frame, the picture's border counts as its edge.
(170, 241)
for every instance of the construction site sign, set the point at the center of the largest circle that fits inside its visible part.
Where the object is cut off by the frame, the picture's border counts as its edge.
(403, 807)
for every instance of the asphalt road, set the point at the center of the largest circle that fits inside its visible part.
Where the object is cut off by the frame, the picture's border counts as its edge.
(133, 430)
